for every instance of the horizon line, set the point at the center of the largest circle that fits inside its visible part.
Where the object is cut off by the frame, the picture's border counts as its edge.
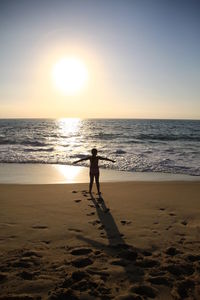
(95, 118)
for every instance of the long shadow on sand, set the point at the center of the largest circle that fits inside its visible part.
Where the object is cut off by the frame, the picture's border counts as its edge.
(122, 254)
(120, 267)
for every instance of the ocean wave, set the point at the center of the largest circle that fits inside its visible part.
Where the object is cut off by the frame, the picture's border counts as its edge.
(7, 142)
(165, 137)
(135, 145)
(106, 136)
(34, 143)
(132, 142)
(78, 156)
(119, 151)
(39, 149)
(23, 142)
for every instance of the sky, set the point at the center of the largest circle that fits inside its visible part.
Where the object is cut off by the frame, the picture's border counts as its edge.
(142, 58)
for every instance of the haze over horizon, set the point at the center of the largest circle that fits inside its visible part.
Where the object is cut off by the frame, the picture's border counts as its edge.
(123, 59)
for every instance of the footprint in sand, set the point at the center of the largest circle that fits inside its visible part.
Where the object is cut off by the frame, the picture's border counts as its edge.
(193, 258)
(162, 208)
(74, 229)
(81, 251)
(180, 233)
(26, 259)
(39, 226)
(184, 288)
(46, 242)
(101, 227)
(12, 236)
(172, 214)
(77, 276)
(144, 290)
(181, 241)
(82, 262)
(124, 222)
(147, 263)
(147, 253)
(29, 253)
(160, 280)
(97, 252)
(169, 227)
(184, 222)
(91, 214)
(103, 236)
(172, 251)
(27, 275)
(119, 262)
(95, 222)
(8, 224)
(178, 269)
(77, 201)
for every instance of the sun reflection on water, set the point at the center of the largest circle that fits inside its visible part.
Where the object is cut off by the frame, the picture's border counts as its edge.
(68, 126)
(68, 131)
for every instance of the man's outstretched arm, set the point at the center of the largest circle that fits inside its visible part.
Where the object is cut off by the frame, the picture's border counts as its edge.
(82, 159)
(107, 159)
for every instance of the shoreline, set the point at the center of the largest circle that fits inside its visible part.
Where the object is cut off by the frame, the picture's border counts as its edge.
(13, 173)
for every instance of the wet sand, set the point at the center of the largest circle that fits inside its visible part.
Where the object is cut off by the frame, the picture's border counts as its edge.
(139, 241)
(55, 173)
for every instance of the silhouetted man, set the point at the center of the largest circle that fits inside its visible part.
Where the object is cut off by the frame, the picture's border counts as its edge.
(94, 168)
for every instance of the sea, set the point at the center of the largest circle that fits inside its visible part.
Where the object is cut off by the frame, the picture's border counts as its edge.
(137, 145)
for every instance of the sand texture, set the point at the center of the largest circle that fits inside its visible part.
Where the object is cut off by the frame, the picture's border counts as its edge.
(141, 240)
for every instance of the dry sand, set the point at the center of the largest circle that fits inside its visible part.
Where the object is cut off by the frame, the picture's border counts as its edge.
(140, 241)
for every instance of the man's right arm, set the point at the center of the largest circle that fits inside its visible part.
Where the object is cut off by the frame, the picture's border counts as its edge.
(77, 161)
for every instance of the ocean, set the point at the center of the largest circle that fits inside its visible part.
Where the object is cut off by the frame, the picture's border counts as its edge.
(168, 146)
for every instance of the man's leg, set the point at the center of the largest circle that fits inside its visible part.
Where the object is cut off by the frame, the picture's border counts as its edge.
(97, 183)
(91, 182)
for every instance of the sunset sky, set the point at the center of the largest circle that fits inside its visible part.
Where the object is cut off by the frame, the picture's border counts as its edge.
(133, 59)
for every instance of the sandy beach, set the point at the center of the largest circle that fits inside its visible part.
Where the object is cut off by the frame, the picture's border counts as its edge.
(140, 241)
(99, 92)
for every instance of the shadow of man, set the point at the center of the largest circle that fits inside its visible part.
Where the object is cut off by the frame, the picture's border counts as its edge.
(122, 253)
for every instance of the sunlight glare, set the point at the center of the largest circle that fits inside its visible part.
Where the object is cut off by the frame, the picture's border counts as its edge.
(69, 75)
(70, 172)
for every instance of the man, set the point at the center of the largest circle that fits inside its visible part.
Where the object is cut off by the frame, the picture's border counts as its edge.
(94, 168)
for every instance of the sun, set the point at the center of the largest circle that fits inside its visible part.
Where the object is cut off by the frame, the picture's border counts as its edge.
(69, 75)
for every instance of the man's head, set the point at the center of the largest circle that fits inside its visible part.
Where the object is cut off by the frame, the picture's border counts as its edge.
(94, 152)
